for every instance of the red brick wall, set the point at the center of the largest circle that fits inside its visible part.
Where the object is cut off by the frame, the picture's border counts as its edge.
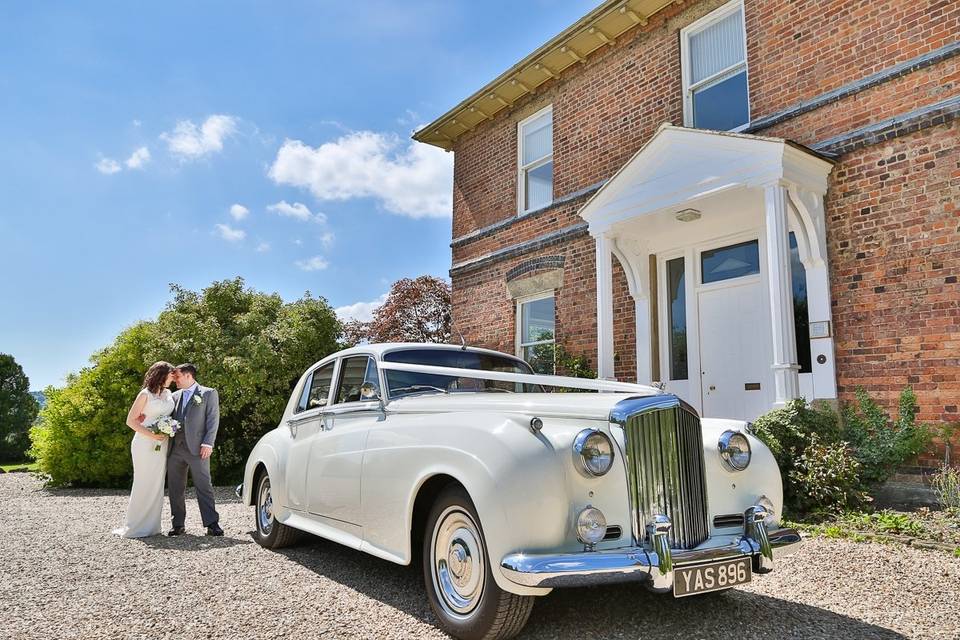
(896, 306)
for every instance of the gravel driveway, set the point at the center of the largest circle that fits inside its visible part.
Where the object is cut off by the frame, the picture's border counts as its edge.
(63, 575)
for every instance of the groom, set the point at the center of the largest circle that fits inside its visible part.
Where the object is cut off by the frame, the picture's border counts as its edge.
(197, 409)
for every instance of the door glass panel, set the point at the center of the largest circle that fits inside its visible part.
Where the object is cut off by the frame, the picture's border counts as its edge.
(677, 311)
(801, 321)
(353, 373)
(734, 261)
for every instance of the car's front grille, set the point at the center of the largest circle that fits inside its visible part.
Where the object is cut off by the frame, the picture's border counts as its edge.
(728, 520)
(665, 472)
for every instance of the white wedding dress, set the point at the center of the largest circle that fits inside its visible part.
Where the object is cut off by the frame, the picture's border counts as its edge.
(149, 470)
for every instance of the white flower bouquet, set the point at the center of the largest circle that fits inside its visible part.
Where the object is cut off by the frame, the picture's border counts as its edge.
(167, 426)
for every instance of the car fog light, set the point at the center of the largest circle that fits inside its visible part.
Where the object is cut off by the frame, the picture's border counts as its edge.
(591, 526)
(734, 450)
(594, 451)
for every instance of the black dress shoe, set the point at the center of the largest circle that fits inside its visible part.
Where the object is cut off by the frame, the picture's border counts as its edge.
(176, 531)
(214, 530)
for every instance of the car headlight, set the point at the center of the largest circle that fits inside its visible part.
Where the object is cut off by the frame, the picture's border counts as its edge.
(593, 451)
(734, 450)
(591, 526)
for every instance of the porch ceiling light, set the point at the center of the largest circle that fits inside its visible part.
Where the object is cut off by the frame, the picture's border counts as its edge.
(687, 215)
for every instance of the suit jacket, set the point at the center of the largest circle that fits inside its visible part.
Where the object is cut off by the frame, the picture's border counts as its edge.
(199, 421)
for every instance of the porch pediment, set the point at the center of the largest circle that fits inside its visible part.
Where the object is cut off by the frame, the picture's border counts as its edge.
(678, 166)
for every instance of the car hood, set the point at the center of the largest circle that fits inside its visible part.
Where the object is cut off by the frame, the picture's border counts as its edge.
(595, 406)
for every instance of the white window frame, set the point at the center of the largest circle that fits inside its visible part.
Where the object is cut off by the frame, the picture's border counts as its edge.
(518, 338)
(522, 169)
(688, 88)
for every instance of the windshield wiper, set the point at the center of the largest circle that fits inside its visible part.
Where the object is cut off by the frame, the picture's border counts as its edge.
(418, 387)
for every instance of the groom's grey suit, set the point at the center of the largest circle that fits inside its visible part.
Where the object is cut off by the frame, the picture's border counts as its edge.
(199, 420)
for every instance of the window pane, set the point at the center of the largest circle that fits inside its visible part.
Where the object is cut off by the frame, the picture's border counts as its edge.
(730, 262)
(718, 47)
(403, 383)
(722, 106)
(540, 357)
(304, 396)
(538, 190)
(537, 320)
(677, 312)
(801, 321)
(537, 138)
(320, 387)
(352, 374)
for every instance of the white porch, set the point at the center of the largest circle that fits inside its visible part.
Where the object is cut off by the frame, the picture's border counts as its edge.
(705, 225)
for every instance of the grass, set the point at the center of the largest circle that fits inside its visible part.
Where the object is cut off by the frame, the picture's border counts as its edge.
(922, 528)
(29, 466)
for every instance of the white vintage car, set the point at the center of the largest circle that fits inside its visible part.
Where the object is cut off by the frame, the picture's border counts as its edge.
(457, 458)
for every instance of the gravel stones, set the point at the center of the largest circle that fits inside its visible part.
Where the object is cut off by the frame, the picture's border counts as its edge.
(64, 575)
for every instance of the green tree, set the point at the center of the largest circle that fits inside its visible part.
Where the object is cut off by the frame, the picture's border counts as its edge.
(18, 410)
(251, 346)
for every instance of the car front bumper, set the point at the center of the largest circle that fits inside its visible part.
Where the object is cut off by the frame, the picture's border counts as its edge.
(640, 563)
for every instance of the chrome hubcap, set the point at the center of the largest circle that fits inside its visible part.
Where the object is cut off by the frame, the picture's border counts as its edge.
(458, 562)
(265, 508)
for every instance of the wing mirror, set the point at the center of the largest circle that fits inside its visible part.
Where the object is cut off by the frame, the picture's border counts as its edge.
(369, 391)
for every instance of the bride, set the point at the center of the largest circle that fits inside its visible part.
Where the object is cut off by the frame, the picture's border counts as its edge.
(149, 465)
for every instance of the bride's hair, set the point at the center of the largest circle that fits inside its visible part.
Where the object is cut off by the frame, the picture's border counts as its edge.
(156, 376)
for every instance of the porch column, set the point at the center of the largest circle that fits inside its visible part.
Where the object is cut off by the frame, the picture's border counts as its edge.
(604, 306)
(785, 368)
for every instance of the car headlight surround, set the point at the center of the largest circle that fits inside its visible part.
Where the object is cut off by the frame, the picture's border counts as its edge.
(734, 448)
(593, 452)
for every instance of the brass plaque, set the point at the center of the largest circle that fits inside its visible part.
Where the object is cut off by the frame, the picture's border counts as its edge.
(751, 386)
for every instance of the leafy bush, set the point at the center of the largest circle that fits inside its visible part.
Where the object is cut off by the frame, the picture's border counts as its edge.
(252, 347)
(825, 477)
(17, 410)
(888, 521)
(946, 484)
(881, 443)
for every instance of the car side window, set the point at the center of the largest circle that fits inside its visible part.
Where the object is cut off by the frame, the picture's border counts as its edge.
(353, 373)
(316, 391)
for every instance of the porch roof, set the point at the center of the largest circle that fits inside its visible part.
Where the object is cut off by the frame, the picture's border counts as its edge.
(679, 166)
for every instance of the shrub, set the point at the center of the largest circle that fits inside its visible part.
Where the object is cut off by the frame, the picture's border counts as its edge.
(946, 485)
(787, 431)
(881, 443)
(825, 477)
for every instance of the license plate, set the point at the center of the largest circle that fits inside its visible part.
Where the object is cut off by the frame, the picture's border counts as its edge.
(688, 581)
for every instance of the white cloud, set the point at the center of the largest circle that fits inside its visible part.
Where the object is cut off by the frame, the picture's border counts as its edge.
(327, 239)
(413, 180)
(108, 166)
(230, 234)
(137, 123)
(238, 211)
(296, 210)
(138, 158)
(316, 263)
(362, 311)
(263, 247)
(188, 141)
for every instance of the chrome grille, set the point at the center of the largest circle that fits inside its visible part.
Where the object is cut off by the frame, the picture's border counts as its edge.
(665, 472)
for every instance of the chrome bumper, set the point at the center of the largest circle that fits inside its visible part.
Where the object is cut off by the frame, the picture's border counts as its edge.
(638, 563)
(239, 491)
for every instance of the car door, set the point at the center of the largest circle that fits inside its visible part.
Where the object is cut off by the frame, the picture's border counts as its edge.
(336, 454)
(303, 427)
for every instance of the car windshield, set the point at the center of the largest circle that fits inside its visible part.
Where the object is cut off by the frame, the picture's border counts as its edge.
(403, 383)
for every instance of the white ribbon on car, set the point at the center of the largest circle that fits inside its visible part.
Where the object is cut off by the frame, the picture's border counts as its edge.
(523, 378)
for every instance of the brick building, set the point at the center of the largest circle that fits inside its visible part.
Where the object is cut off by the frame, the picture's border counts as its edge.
(794, 232)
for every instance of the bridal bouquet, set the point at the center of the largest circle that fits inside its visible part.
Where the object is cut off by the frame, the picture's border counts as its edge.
(167, 426)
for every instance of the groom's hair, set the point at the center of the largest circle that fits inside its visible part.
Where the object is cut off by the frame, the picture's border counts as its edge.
(186, 367)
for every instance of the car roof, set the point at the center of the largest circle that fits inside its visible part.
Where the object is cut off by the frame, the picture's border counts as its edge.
(379, 349)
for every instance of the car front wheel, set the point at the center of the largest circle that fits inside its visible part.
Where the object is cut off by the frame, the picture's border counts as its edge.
(269, 532)
(456, 567)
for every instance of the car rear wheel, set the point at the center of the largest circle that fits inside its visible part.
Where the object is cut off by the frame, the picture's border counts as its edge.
(269, 532)
(456, 567)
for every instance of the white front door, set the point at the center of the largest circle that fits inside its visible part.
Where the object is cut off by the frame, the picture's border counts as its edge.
(735, 375)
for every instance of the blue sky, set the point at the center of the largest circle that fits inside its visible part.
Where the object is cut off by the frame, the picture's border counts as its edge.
(131, 130)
